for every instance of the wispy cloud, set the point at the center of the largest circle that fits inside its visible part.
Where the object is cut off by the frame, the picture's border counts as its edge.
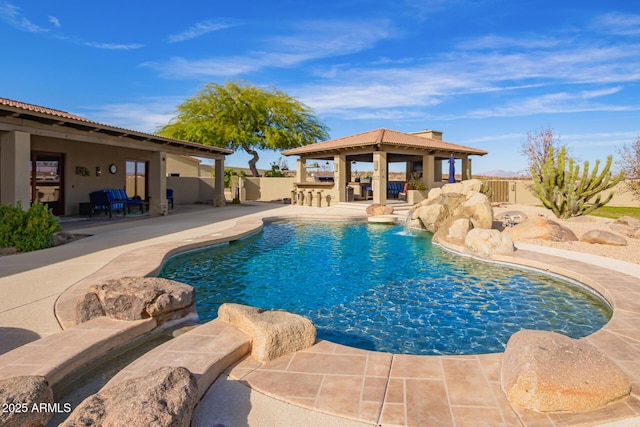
(114, 46)
(199, 29)
(13, 16)
(619, 23)
(55, 21)
(144, 115)
(308, 41)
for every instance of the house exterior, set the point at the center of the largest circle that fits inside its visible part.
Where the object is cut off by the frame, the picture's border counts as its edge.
(58, 158)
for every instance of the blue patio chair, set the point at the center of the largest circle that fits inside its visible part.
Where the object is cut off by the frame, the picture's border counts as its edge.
(170, 197)
(105, 201)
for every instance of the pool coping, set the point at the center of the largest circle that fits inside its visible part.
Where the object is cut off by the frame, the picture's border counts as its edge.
(619, 339)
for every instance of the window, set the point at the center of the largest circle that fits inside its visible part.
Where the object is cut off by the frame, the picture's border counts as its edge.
(136, 184)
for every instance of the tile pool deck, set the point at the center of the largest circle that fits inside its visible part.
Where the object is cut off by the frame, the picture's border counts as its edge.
(328, 384)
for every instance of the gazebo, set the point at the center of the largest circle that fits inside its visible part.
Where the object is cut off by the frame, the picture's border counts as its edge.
(422, 152)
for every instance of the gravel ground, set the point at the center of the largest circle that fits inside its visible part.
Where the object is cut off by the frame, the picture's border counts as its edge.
(580, 225)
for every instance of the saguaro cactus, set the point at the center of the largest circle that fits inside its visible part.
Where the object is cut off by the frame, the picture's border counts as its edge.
(565, 192)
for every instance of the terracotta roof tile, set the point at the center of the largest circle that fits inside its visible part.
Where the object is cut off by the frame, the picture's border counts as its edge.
(384, 136)
(63, 115)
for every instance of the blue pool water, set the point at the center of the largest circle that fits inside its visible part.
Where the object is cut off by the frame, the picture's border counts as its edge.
(377, 287)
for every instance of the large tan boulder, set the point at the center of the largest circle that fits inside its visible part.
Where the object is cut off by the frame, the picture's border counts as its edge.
(540, 228)
(430, 216)
(135, 298)
(273, 333)
(478, 208)
(453, 230)
(379, 209)
(603, 238)
(18, 395)
(548, 372)
(164, 397)
(485, 243)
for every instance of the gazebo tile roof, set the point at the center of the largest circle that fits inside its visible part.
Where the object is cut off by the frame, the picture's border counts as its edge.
(384, 136)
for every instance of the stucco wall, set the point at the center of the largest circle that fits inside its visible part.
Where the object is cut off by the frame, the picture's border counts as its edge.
(77, 154)
(188, 190)
(520, 193)
(267, 189)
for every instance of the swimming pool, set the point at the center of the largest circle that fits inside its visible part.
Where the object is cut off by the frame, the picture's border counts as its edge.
(380, 288)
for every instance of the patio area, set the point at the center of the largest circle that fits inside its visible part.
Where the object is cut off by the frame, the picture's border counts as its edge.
(327, 384)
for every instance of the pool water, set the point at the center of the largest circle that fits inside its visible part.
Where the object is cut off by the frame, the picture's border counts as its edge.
(378, 287)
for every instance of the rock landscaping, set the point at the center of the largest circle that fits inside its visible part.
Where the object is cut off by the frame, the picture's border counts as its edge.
(545, 371)
(20, 394)
(165, 397)
(273, 333)
(135, 298)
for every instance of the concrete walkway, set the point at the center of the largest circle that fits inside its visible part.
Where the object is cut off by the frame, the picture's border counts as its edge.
(31, 282)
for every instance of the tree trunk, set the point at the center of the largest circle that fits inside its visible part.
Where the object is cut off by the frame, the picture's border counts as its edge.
(253, 161)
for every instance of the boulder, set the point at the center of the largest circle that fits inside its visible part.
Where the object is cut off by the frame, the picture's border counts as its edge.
(548, 372)
(378, 209)
(485, 243)
(453, 230)
(627, 226)
(628, 220)
(540, 228)
(19, 394)
(603, 238)
(478, 208)
(273, 333)
(431, 216)
(164, 397)
(135, 298)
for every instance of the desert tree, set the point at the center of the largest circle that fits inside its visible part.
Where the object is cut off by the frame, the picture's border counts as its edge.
(238, 115)
(630, 164)
(536, 147)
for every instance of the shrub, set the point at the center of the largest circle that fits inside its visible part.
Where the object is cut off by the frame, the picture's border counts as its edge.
(27, 231)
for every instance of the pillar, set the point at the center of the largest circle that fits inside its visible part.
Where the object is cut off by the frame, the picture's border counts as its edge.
(158, 184)
(218, 195)
(466, 168)
(15, 157)
(301, 170)
(340, 178)
(430, 174)
(379, 181)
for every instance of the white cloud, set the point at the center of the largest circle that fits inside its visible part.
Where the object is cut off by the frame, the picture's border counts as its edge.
(619, 23)
(199, 29)
(145, 115)
(114, 46)
(11, 14)
(311, 40)
(55, 21)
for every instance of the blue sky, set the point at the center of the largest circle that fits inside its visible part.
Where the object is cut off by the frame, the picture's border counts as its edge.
(483, 72)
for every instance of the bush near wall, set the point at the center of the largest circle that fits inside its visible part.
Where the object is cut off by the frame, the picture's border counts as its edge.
(27, 231)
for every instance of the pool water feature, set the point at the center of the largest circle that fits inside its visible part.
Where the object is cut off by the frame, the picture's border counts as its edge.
(378, 287)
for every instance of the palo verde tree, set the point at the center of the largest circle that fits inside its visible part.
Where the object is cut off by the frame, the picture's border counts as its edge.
(561, 188)
(240, 115)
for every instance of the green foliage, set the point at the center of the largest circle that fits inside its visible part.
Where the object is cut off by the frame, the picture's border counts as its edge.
(27, 231)
(415, 183)
(235, 115)
(228, 173)
(561, 188)
(277, 169)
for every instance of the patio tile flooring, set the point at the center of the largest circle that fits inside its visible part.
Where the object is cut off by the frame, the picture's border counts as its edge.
(405, 390)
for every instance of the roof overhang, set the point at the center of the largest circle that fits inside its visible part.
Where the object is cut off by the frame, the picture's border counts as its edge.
(17, 116)
(398, 144)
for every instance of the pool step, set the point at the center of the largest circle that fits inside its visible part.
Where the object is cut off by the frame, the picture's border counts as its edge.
(206, 351)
